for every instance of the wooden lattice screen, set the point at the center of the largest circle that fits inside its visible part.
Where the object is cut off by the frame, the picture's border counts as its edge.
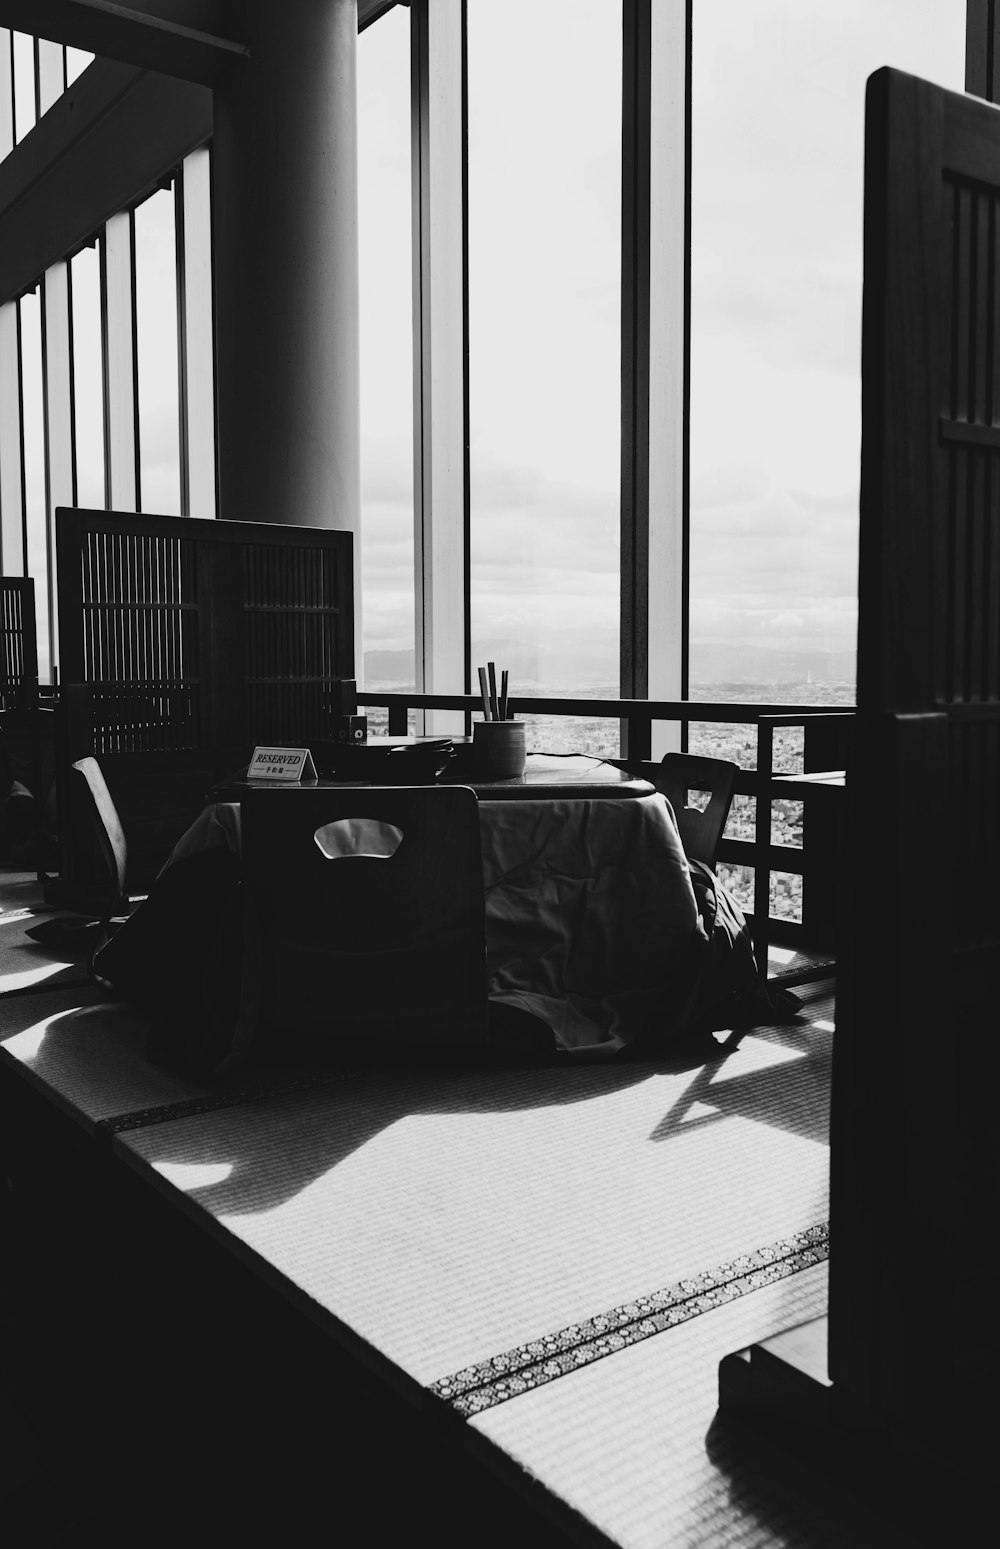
(18, 643)
(184, 643)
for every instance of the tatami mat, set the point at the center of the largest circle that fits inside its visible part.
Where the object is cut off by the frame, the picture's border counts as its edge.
(86, 1054)
(24, 963)
(445, 1218)
(634, 1443)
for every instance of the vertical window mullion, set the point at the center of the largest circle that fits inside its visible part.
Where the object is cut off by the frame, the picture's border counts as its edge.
(57, 409)
(982, 76)
(180, 270)
(136, 450)
(655, 242)
(441, 483)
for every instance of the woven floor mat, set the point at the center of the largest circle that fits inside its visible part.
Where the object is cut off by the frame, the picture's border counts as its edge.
(446, 1218)
(558, 1353)
(85, 1054)
(26, 964)
(635, 1445)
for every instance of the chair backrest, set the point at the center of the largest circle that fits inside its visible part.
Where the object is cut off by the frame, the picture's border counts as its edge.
(101, 834)
(676, 776)
(365, 918)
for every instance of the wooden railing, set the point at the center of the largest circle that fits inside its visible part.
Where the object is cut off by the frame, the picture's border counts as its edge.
(826, 746)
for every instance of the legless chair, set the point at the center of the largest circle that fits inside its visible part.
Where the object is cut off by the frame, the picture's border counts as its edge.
(99, 841)
(676, 776)
(94, 810)
(365, 921)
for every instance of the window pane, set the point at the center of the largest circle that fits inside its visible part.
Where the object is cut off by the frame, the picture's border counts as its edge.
(156, 344)
(88, 391)
(777, 160)
(544, 341)
(386, 351)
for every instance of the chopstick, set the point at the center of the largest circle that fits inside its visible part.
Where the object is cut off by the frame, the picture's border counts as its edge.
(494, 704)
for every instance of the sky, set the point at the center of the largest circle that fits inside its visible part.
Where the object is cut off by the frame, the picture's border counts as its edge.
(778, 142)
(777, 146)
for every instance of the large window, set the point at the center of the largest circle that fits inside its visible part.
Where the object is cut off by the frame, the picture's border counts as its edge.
(385, 243)
(544, 175)
(776, 269)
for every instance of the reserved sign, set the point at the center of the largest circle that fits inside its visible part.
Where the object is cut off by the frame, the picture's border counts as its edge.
(281, 764)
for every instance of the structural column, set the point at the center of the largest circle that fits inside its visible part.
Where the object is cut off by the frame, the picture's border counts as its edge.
(286, 266)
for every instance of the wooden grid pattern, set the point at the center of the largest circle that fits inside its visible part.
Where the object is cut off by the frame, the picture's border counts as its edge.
(18, 643)
(140, 640)
(292, 600)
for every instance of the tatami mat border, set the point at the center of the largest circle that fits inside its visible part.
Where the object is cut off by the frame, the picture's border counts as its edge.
(515, 1371)
(165, 1113)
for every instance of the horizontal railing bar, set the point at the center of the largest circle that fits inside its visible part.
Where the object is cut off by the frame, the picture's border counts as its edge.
(780, 857)
(618, 709)
(146, 604)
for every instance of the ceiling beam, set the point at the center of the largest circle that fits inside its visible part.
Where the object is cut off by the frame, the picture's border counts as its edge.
(101, 146)
(174, 37)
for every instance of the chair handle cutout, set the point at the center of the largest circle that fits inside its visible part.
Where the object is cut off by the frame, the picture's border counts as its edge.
(358, 837)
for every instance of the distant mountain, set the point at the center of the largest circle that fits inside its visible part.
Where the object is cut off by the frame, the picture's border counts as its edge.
(536, 672)
(712, 663)
(388, 667)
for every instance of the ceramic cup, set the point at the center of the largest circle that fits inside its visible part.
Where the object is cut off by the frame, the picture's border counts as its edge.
(498, 749)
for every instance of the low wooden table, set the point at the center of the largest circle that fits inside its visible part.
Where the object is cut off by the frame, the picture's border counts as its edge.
(590, 912)
(547, 776)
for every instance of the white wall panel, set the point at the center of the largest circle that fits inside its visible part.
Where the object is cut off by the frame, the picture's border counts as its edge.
(667, 263)
(119, 354)
(440, 516)
(197, 344)
(59, 481)
(51, 74)
(6, 94)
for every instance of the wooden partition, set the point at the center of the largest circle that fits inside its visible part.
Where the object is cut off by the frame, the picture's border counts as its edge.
(915, 1078)
(895, 1396)
(183, 644)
